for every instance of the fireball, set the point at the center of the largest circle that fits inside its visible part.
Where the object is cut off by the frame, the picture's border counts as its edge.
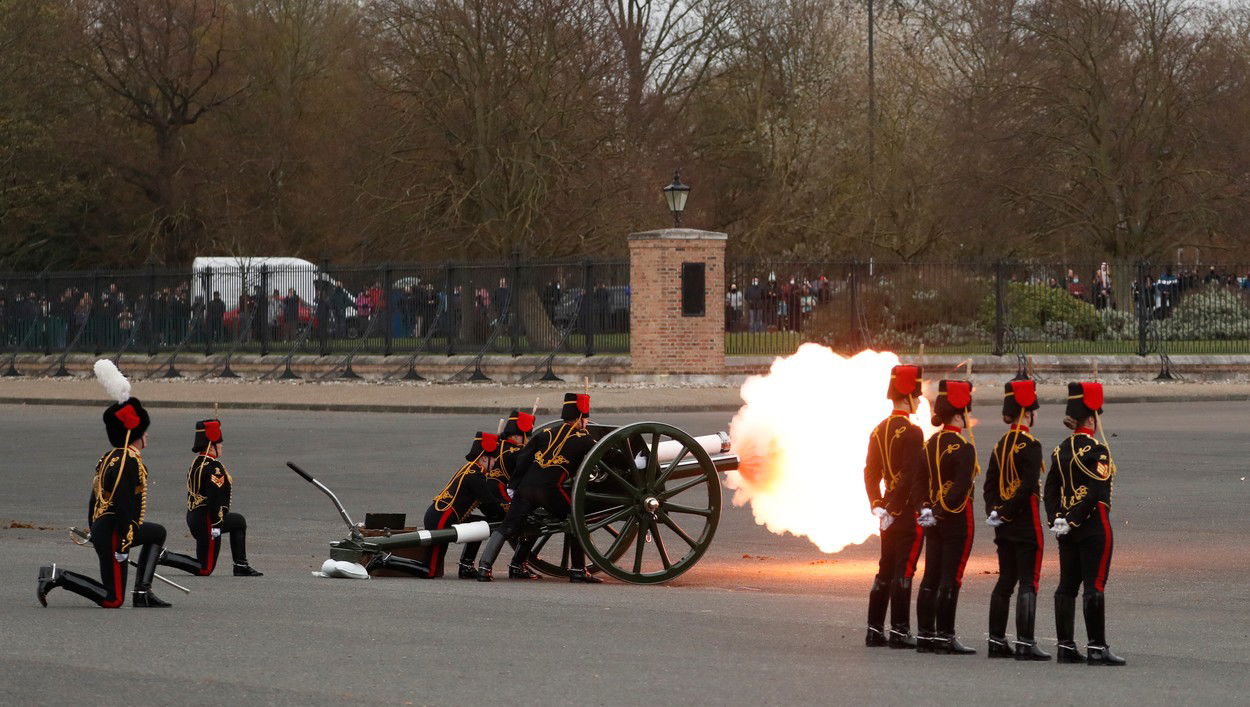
(802, 437)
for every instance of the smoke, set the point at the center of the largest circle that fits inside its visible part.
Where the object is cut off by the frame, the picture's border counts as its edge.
(801, 439)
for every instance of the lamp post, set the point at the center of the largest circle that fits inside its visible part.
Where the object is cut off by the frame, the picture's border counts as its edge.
(675, 194)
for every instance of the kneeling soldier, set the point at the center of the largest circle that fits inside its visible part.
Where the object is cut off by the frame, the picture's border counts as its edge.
(1078, 504)
(208, 509)
(944, 496)
(512, 439)
(119, 496)
(470, 488)
(1012, 486)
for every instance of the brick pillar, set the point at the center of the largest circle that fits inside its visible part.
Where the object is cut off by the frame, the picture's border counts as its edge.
(663, 339)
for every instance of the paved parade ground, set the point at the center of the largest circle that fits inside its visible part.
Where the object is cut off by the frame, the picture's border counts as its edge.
(761, 620)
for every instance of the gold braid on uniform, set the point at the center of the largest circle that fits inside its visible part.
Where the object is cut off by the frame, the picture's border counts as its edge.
(1005, 455)
(447, 496)
(944, 486)
(551, 456)
(194, 499)
(891, 477)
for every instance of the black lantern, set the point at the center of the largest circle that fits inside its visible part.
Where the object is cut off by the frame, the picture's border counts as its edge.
(675, 194)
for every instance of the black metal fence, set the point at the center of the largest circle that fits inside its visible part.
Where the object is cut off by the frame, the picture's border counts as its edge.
(995, 308)
(259, 305)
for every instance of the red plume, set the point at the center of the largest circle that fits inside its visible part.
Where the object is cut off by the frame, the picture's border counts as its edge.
(128, 416)
(212, 430)
(1092, 395)
(959, 394)
(524, 421)
(583, 403)
(490, 442)
(1025, 392)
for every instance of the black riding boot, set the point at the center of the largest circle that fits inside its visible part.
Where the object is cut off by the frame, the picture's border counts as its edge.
(143, 597)
(1000, 606)
(1026, 616)
(238, 553)
(1065, 621)
(493, 545)
(519, 567)
(900, 614)
(577, 563)
(926, 619)
(1096, 631)
(946, 642)
(386, 560)
(878, 600)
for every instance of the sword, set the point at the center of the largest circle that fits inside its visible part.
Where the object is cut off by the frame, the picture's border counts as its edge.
(83, 538)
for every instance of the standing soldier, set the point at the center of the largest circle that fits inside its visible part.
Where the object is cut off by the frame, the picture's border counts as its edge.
(208, 509)
(470, 488)
(543, 465)
(1078, 504)
(895, 458)
(944, 498)
(118, 504)
(1012, 487)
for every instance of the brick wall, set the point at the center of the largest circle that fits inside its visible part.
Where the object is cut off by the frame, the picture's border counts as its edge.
(662, 341)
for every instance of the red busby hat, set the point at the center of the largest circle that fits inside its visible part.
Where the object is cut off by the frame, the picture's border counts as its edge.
(519, 423)
(576, 406)
(953, 397)
(1084, 399)
(483, 443)
(1019, 396)
(206, 432)
(904, 382)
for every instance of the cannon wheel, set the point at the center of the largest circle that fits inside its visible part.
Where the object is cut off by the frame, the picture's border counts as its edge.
(673, 511)
(550, 555)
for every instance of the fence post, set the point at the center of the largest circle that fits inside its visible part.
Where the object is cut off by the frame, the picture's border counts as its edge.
(262, 309)
(47, 318)
(151, 319)
(588, 306)
(207, 278)
(388, 314)
(449, 320)
(1000, 308)
(514, 291)
(323, 321)
(1143, 305)
(95, 315)
(853, 302)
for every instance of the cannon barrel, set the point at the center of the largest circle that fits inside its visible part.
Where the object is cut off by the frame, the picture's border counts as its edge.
(458, 533)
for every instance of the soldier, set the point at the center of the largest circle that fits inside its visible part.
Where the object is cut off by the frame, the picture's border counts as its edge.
(471, 487)
(1012, 487)
(543, 465)
(515, 435)
(208, 509)
(895, 458)
(117, 506)
(1078, 505)
(943, 495)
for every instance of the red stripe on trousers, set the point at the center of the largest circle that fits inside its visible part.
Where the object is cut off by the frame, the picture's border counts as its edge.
(914, 555)
(560, 488)
(211, 561)
(437, 551)
(116, 601)
(963, 560)
(1105, 563)
(1037, 535)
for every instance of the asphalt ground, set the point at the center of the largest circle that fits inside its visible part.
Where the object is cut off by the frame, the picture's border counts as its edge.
(762, 619)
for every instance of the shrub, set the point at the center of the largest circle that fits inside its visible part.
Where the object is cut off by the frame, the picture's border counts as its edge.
(1117, 325)
(1032, 307)
(1211, 313)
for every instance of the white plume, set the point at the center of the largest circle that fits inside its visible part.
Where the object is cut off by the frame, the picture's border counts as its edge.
(115, 384)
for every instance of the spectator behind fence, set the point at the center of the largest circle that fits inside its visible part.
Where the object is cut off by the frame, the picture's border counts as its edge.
(1102, 288)
(733, 308)
(216, 316)
(273, 316)
(290, 314)
(755, 306)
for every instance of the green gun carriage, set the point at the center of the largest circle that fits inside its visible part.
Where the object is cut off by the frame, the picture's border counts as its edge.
(645, 502)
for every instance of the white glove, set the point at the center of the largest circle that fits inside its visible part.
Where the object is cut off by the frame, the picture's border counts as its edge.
(511, 493)
(216, 533)
(1060, 527)
(993, 521)
(883, 516)
(121, 556)
(926, 518)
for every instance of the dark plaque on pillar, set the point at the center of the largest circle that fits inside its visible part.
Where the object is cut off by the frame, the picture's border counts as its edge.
(693, 289)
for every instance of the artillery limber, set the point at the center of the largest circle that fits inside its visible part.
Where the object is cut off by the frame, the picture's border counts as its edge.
(645, 503)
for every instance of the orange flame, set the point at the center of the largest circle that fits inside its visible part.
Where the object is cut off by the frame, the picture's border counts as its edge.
(802, 437)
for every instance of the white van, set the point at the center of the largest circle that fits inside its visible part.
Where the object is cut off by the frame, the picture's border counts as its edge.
(234, 275)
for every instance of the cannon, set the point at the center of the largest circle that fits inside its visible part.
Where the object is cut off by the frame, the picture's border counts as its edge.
(645, 502)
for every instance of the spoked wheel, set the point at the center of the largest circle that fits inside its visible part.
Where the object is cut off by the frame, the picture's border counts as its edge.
(646, 502)
(551, 552)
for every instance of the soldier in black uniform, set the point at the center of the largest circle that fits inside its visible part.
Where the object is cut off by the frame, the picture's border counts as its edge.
(895, 458)
(1012, 487)
(116, 508)
(943, 495)
(1078, 505)
(515, 435)
(546, 462)
(208, 509)
(475, 485)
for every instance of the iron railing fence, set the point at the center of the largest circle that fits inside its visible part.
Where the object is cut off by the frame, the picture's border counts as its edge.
(512, 307)
(517, 307)
(992, 308)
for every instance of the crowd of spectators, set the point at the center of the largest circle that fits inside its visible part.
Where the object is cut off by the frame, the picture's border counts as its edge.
(1161, 292)
(773, 305)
